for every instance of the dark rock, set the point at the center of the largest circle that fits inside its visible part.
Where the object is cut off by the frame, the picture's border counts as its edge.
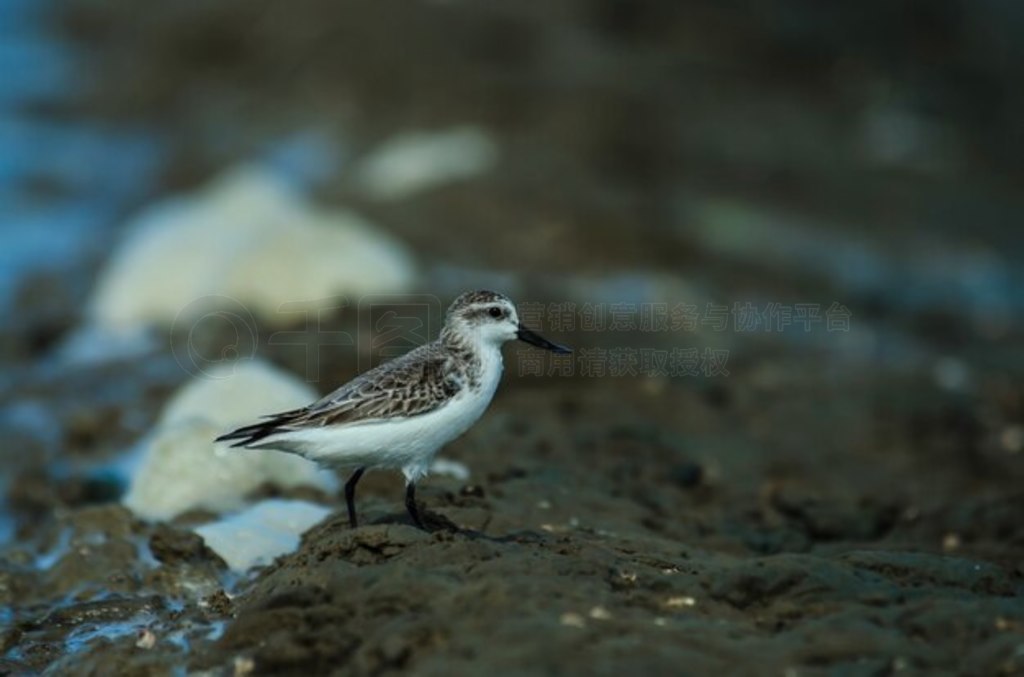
(171, 545)
(8, 638)
(219, 604)
(100, 611)
(472, 490)
(756, 584)
(718, 396)
(98, 487)
(687, 475)
(916, 570)
(835, 518)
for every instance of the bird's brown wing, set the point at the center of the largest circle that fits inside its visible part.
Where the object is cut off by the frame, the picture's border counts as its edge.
(416, 383)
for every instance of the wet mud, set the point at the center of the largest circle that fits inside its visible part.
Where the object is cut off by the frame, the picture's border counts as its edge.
(578, 547)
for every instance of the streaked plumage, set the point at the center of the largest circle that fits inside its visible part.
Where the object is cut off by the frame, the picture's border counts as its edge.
(400, 413)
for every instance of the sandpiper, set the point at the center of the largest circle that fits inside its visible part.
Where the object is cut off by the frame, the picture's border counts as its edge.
(400, 413)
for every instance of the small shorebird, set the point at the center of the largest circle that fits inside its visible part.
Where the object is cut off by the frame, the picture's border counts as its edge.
(400, 413)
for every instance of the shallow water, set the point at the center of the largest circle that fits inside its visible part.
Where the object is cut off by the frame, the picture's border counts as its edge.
(64, 183)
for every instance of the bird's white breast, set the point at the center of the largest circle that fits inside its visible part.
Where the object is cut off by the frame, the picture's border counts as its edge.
(408, 443)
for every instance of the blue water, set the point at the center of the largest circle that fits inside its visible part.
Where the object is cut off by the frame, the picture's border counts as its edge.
(34, 68)
(91, 174)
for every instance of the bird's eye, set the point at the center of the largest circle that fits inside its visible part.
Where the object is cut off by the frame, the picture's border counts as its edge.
(495, 312)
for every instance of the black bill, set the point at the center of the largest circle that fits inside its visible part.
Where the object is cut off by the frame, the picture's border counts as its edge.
(536, 339)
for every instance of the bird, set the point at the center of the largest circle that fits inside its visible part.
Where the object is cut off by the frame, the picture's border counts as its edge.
(400, 413)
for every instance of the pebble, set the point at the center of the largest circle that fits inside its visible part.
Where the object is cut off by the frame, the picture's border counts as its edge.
(235, 244)
(262, 532)
(181, 468)
(415, 162)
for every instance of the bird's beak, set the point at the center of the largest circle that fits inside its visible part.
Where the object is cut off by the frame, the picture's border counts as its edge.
(533, 338)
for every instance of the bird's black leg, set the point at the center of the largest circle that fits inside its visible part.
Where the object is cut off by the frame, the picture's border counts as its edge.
(350, 495)
(410, 505)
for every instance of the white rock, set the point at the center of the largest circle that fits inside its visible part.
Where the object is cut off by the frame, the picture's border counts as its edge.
(261, 532)
(249, 237)
(413, 162)
(182, 469)
(444, 466)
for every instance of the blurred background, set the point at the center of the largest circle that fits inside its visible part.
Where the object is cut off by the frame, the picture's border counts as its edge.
(784, 238)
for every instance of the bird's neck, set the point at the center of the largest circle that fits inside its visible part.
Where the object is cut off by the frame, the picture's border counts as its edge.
(481, 360)
(454, 341)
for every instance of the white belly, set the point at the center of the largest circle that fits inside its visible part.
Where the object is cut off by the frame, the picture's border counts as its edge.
(406, 443)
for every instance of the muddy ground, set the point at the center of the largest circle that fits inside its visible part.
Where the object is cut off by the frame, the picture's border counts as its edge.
(841, 502)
